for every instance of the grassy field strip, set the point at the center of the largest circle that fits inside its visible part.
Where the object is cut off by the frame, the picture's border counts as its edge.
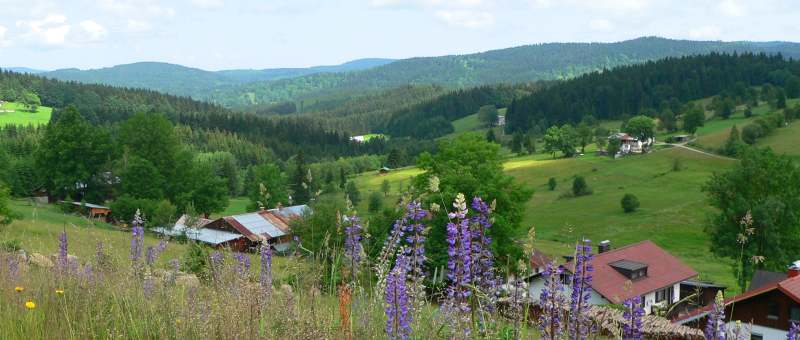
(21, 116)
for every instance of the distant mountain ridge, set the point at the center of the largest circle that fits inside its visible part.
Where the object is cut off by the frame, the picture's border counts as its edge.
(188, 81)
(549, 61)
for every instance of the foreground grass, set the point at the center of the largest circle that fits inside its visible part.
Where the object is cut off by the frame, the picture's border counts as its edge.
(21, 115)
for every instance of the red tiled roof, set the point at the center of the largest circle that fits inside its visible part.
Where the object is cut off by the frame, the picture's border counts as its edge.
(790, 287)
(539, 259)
(663, 270)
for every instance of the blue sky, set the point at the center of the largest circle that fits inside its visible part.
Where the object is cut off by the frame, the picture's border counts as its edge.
(226, 34)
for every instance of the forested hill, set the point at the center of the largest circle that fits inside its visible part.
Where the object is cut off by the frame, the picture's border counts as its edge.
(187, 81)
(630, 90)
(107, 105)
(517, 64)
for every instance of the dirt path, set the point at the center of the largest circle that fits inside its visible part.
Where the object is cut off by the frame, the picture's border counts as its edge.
(683, 146)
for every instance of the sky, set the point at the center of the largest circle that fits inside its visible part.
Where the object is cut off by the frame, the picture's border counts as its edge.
(236, 34)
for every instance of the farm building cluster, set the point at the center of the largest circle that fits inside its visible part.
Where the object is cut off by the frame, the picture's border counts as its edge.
(631, 145)
(240, 232)
(669, 288)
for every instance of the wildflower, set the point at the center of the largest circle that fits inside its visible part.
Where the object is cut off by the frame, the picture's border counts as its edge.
(13, 267)
(137, 238)
(266, 267)
(458, 251)
(632, 328)
(352, 242)
(60, 291)
(433, 184)
(581, 291)
(794, 332)
(19, 289)
(415, 251)
(243, 264)
(551, 299)
(715, 328)
(63, 259)
(30, 304)
(397, 301)
(482, 257)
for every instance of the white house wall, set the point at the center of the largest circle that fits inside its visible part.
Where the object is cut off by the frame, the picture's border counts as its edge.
(536, 286)
(767, 332)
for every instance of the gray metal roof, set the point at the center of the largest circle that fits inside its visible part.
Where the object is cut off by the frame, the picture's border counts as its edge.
(205, 235)
(763, 278)
(88, 205)
(287, 212)
(628, 265)
(258, 225)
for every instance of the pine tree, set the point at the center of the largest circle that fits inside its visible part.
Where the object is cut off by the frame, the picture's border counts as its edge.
(301, 185)
(733, 143)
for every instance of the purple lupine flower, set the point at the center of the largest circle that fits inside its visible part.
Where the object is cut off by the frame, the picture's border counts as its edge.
(794, 331)
(415, 230)
(137, 238)
(147, 286)
(482, 257)
(13, 267)
(458, 251)
(242, 264)
(632, 328)
(398, 323)
(579, 325)
(715, 328)
(551, 300)
(152, 253)
(63, 259)
(216, 265)
(266, 267)
(352, 242)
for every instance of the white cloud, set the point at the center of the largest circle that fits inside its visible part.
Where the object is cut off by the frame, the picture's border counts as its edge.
(92, 31)
(136, 8)
(137, 26)
(614, 6)
(52, 30)
(3, 41)
(208, 4)
(464, 18)
(600, 25)
(428, 3)
(706, 32)
(731, 8)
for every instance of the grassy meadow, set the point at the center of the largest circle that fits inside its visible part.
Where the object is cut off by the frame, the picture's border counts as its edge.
(21, 116)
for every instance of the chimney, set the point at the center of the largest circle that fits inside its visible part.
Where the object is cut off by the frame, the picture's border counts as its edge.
(794, 269)
(604, 246)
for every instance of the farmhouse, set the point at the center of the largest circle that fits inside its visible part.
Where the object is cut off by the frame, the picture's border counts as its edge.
(384, 171)
(91, 210)
(641, 269)
(244, 231)
(771, 304)
(630, 144)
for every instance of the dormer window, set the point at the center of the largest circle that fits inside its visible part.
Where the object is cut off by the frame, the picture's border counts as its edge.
(631, 269)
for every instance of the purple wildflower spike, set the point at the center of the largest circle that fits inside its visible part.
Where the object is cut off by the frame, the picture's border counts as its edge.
(13, 267)
(551, 300)
(482, 257)
(137, 238)
(459, 250)
(265, 279)
(63, 259)
(415, 251)
(794, 331)
(398, 323)
(352, 242)
(632, 328)
(579, 325)
(715, 328)
(243, 264)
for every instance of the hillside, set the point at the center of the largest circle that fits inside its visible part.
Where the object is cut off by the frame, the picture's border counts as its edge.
(17, 114)
(518, 64)
(187, 81)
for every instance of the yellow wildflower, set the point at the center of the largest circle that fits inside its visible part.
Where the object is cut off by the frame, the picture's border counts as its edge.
(30, 305)
(178, 321)
(60, 291)
(19, 289)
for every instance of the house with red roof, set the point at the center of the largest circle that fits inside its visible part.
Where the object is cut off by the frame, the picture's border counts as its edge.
(771, 305)
(640, 269)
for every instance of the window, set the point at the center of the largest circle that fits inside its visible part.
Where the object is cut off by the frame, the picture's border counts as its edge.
(754, 336)
(773, 310)
(665, 294)
(794, 313)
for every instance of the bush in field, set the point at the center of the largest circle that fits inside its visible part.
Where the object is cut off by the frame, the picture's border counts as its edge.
(629, 203)
(552, 183)
(579, 187)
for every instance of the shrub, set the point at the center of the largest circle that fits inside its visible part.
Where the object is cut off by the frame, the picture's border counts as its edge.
(579, 187)
(751, 133)
(552, 183)
(195, 260)
(125, 207)
(375, 202)
(629, 203)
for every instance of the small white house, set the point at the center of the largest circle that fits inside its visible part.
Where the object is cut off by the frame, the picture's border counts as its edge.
(630, 144)
(642, 269)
